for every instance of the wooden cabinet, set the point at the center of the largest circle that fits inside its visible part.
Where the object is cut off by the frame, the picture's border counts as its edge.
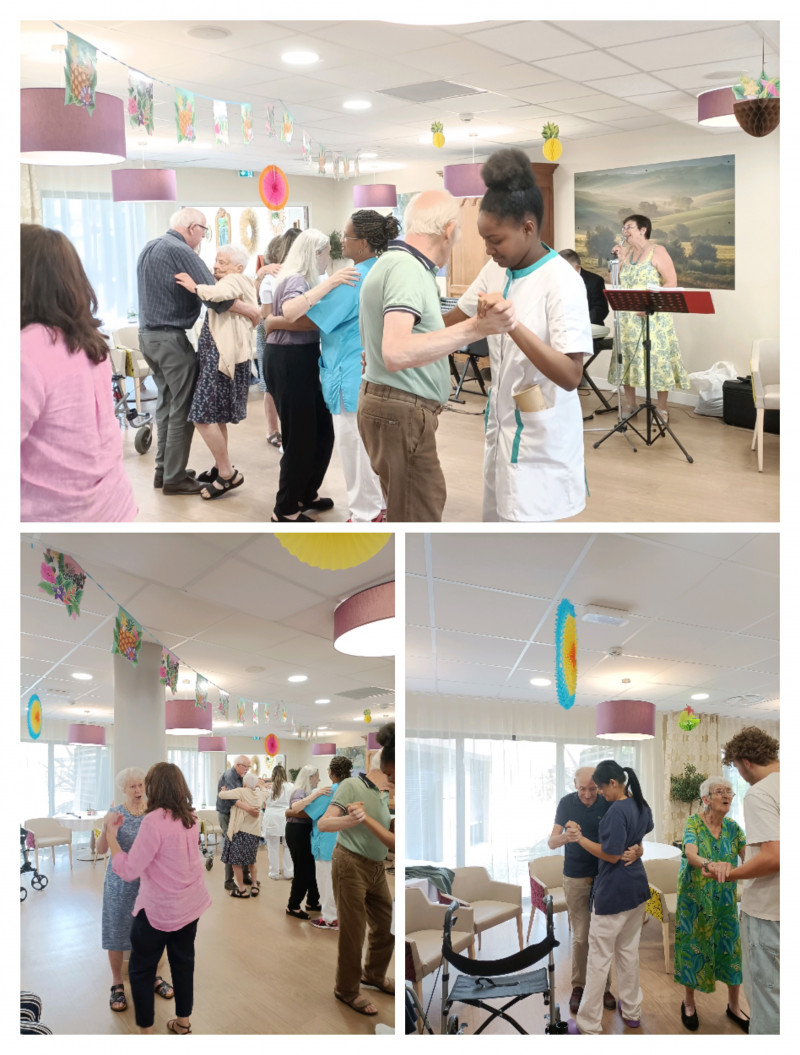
(469, 253)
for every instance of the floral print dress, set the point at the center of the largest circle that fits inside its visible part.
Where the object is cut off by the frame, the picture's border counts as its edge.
(667, 371)
(707, 944)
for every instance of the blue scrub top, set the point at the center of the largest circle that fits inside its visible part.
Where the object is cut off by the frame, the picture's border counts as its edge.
(322, 843)
(336, 315)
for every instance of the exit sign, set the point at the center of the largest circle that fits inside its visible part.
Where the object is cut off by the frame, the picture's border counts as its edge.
(246, 172)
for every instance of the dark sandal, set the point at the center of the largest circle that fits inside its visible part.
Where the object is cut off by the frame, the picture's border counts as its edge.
(358, 1003)
(278, 519)
(320, 505)
(255, 889)
(174, 1026)
(118, 997)
(209, 476)
(236, 892)
(275, 439)
(385, 986)
(221, 485)
(164, 989)
(297, 913)
(313, 908)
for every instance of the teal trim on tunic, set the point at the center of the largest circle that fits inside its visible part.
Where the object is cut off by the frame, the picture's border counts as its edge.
(517, 437)
(523, 271)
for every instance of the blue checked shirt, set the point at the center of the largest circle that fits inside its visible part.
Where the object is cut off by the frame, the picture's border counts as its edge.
(162, 302)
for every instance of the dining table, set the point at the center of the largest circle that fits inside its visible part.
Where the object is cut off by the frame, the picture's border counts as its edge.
(82, 822)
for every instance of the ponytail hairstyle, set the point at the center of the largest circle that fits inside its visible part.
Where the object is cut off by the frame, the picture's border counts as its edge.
(608, 769)
(511, 189)
(375, 229)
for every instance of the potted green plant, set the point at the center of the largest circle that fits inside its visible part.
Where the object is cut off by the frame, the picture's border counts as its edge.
(686, 786)
(336, 245)
(293, 774)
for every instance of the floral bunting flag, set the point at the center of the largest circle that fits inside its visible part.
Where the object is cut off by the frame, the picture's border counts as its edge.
(306, 146)
(255, 714)
(321, 161)
(223, 704)
(63, 580)
(355, 167)
(266, 713)
(140, 102)
(201, 692)
(168, 672)
(284, 716)
(80, 73)
(184, 116)
(127, 636)
(221, 123)
(336, 163)
(347, 167)
(287, 127)
(247, 123)
(269, 125)
(240, 711)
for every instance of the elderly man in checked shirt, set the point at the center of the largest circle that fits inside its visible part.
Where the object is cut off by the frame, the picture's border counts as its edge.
(166, 311)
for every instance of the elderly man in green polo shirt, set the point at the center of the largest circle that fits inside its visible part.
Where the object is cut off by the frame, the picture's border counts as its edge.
(407, 379)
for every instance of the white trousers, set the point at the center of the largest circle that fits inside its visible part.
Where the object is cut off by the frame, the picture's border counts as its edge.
(274, 851)
(364, 494)
(324, 870)
(616, 938)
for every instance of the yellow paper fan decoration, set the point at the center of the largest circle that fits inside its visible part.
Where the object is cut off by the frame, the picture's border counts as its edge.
(333, 552)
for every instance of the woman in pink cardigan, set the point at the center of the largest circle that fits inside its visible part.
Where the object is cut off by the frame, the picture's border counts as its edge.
(165, 857)
(70, 443)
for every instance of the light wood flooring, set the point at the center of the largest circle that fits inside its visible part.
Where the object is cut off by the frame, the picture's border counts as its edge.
(661, 1006)
(654, 484)
(257, 970)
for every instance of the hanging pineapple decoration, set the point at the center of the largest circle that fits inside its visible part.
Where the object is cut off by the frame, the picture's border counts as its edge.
(80, 72)
(551, 148)
(438, 133)
(688, 720)
(367, 716)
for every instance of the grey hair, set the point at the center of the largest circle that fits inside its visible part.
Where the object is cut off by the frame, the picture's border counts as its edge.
(235, 253)
(124, 775)
(250, 780)
(302, 257)
(186, 217)
(303, 781)
(241, 758)
(713, 782)
(434, 219)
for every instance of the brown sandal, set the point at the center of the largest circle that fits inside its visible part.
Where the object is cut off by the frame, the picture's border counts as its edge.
(358, 1003)
(174, 1026)
(118, 997)
(385, 986)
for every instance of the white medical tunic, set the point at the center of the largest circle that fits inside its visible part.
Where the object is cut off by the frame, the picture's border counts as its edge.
(533, 462)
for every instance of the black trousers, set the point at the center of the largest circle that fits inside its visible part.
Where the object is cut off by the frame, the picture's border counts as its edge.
(304, 884)
(292, 376)
(147, 947)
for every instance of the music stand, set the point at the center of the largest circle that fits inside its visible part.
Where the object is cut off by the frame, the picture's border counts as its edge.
(649, 301)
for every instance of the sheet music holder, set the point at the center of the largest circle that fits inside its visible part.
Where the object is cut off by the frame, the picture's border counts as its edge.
(649, 301)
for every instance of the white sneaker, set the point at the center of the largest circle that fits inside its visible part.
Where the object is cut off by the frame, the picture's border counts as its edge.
(322, 924)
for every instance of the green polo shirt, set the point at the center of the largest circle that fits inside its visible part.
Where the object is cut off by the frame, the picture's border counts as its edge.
(403, 280)
(359, 839)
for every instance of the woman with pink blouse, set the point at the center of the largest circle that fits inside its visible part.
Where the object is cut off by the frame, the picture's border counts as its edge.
(165, 857)
(70, 443)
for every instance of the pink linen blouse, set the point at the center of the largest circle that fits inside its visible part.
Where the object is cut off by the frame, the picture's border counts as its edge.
(70, 446)
(165, 856)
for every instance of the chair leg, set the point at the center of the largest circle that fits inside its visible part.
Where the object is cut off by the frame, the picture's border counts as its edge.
(36, 851)
(69, 847)
(53, 852)
(755, 434)
(479, 941)
(665, 932)
(760, 429)
(472, 950)
(519, 930)
(530, 925)
(418, 991)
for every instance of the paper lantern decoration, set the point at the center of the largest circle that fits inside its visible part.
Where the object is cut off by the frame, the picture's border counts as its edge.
(438, 134)
(272, 745)
(551, 148)
(333, 552)
(688, 720)
(273, 187)
(367, 716)
(34, 717)
(566, 654)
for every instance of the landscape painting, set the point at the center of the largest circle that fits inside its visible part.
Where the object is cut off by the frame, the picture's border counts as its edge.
(690, 205)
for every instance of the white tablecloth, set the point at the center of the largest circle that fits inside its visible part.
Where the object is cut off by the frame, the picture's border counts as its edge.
(82, 823)
(652, 850)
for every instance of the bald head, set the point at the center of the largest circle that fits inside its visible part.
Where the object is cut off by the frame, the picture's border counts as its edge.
(191, 225)
(585, 786)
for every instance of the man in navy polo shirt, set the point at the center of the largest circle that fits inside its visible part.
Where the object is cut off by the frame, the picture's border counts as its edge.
(586, 807)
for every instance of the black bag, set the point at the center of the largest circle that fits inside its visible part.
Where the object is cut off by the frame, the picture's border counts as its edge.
(739, 409)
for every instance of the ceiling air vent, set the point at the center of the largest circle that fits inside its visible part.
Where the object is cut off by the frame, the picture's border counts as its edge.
(368, 693)
(747, 699)
(430, 91)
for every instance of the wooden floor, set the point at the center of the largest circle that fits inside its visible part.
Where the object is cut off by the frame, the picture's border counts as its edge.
(723, 484)
(257, 970)
(661, 1006)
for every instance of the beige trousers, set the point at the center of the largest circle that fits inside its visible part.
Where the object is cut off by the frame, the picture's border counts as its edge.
(612, 938)
(577, 893)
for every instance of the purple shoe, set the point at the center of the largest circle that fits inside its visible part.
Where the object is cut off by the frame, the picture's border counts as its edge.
(572, 1027)
(631, 1023)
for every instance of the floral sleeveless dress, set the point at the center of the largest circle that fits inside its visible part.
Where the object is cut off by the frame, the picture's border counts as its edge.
(666, 366)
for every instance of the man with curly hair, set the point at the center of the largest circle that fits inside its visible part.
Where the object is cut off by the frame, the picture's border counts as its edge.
(755, 756)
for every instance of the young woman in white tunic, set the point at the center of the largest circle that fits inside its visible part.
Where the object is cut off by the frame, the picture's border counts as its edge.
(533, 462)
(273, 828)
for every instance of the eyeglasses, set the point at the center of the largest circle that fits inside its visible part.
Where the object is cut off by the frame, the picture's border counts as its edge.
(630, 227)
(202, 227)
(725, 792)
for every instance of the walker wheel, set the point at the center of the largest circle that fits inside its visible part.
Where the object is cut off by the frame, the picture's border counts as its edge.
(143, 439)
(452, 1024)
(39, 882)
(209, 863)
(23, 893)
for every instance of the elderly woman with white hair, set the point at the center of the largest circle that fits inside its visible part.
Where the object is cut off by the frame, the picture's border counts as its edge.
(707, 944)
(292, 375)
(224, 355)
(119, 896)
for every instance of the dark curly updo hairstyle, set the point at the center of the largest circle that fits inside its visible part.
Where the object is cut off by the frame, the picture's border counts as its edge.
(608, 769)
(376, 230)
(511, 188)
(385, 737)
(340, 768)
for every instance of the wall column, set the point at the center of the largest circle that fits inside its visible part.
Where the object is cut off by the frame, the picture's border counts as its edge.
(139, 737)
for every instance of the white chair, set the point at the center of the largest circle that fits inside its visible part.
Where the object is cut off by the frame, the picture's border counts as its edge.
(210, 822)
(48, 832)
(126, 341)
(424, 936)
(662, 875)
(492, 902)
(766, 373)
(547, 873)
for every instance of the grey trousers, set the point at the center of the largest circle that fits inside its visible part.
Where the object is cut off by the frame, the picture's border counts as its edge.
(173, 362)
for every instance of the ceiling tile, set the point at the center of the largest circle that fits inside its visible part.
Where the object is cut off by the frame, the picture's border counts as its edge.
(530, 41)
(466, 609)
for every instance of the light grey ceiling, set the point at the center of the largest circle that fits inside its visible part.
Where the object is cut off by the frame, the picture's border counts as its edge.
(238, 608)
(591, 78)
(703, 613)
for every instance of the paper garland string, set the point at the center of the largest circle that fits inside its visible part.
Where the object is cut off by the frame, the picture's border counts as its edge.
(255, 714)
(63, 579)
(80, 73)
(269, 125)
(168, 671)
(287, 127)
(127, 636)
(566, 654)
(240, 711)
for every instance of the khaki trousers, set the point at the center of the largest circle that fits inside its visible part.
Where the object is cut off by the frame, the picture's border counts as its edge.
(362, 898)
(399, 433)
(612, 938)
(577, 893)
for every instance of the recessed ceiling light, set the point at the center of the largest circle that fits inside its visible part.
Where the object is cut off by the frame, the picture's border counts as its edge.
(299, 57)
(597, 613)
(541, 682)
(298, 677)
(320, 702)
(700, 696)
(80, 676)
(322, 728)
(208, 32)
(357, 104)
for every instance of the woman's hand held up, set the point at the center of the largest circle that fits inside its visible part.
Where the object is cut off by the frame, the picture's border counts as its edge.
(186, 281)
(349, 275)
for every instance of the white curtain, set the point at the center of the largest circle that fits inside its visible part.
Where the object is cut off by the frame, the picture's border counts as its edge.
(30, 201)
(196, 769)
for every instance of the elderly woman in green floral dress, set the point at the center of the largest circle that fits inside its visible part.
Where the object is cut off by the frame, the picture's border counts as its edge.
(707, 944)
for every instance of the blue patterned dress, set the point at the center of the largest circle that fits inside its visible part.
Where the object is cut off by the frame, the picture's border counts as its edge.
(218, 399)
(707, 944)
(118, 896)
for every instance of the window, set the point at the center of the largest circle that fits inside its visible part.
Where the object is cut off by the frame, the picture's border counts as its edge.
(740, 786)
(196, 769)
(66, 778)
(431, 798)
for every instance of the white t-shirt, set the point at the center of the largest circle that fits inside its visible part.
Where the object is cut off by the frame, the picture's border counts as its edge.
(762, 824)
(266, 289)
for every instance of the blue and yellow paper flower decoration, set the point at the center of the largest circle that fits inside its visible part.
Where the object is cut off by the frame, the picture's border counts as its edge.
(566, 654)
(34, 717)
